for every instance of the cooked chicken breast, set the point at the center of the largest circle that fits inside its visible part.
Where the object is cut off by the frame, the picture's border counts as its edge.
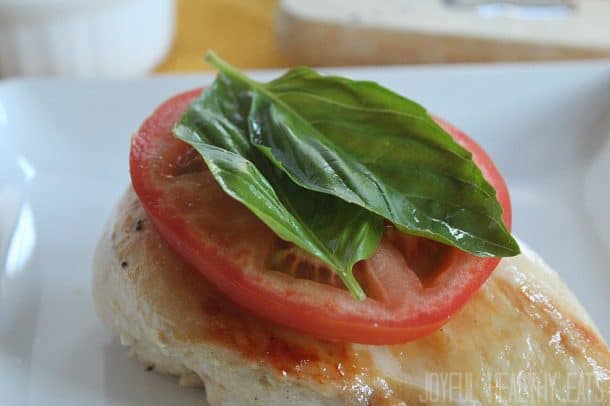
(523, 338)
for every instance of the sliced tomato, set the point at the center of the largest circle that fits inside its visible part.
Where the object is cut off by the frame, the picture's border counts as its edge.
(413, 285)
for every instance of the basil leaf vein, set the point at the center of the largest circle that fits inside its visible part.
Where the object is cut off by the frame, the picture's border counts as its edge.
(337, 232)
(375, 149)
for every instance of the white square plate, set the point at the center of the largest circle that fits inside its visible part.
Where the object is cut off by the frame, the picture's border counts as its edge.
(63, 165)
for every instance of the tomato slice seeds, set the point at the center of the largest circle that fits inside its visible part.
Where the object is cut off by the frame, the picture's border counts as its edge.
(413, 285)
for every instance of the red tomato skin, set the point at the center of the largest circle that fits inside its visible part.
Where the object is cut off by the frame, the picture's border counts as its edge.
(321, 321)
(483, 161)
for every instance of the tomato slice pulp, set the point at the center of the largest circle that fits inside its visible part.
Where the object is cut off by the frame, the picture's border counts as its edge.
(413, 285)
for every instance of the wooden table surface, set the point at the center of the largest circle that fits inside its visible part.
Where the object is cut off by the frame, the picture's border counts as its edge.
(243, 33)
(240, 31)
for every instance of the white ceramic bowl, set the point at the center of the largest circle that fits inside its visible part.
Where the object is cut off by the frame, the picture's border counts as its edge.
(84, 37)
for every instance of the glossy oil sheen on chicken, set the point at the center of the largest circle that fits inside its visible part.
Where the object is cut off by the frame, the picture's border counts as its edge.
(523, 338)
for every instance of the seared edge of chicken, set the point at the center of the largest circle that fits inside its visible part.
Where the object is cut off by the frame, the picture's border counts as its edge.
(523, 337)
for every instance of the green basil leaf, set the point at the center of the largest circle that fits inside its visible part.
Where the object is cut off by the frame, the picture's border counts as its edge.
(375, 149)
(337, 232)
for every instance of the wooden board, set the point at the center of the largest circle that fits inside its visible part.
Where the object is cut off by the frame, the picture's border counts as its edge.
(362, 32)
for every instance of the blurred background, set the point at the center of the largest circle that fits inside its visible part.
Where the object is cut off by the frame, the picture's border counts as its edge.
(135, 37)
